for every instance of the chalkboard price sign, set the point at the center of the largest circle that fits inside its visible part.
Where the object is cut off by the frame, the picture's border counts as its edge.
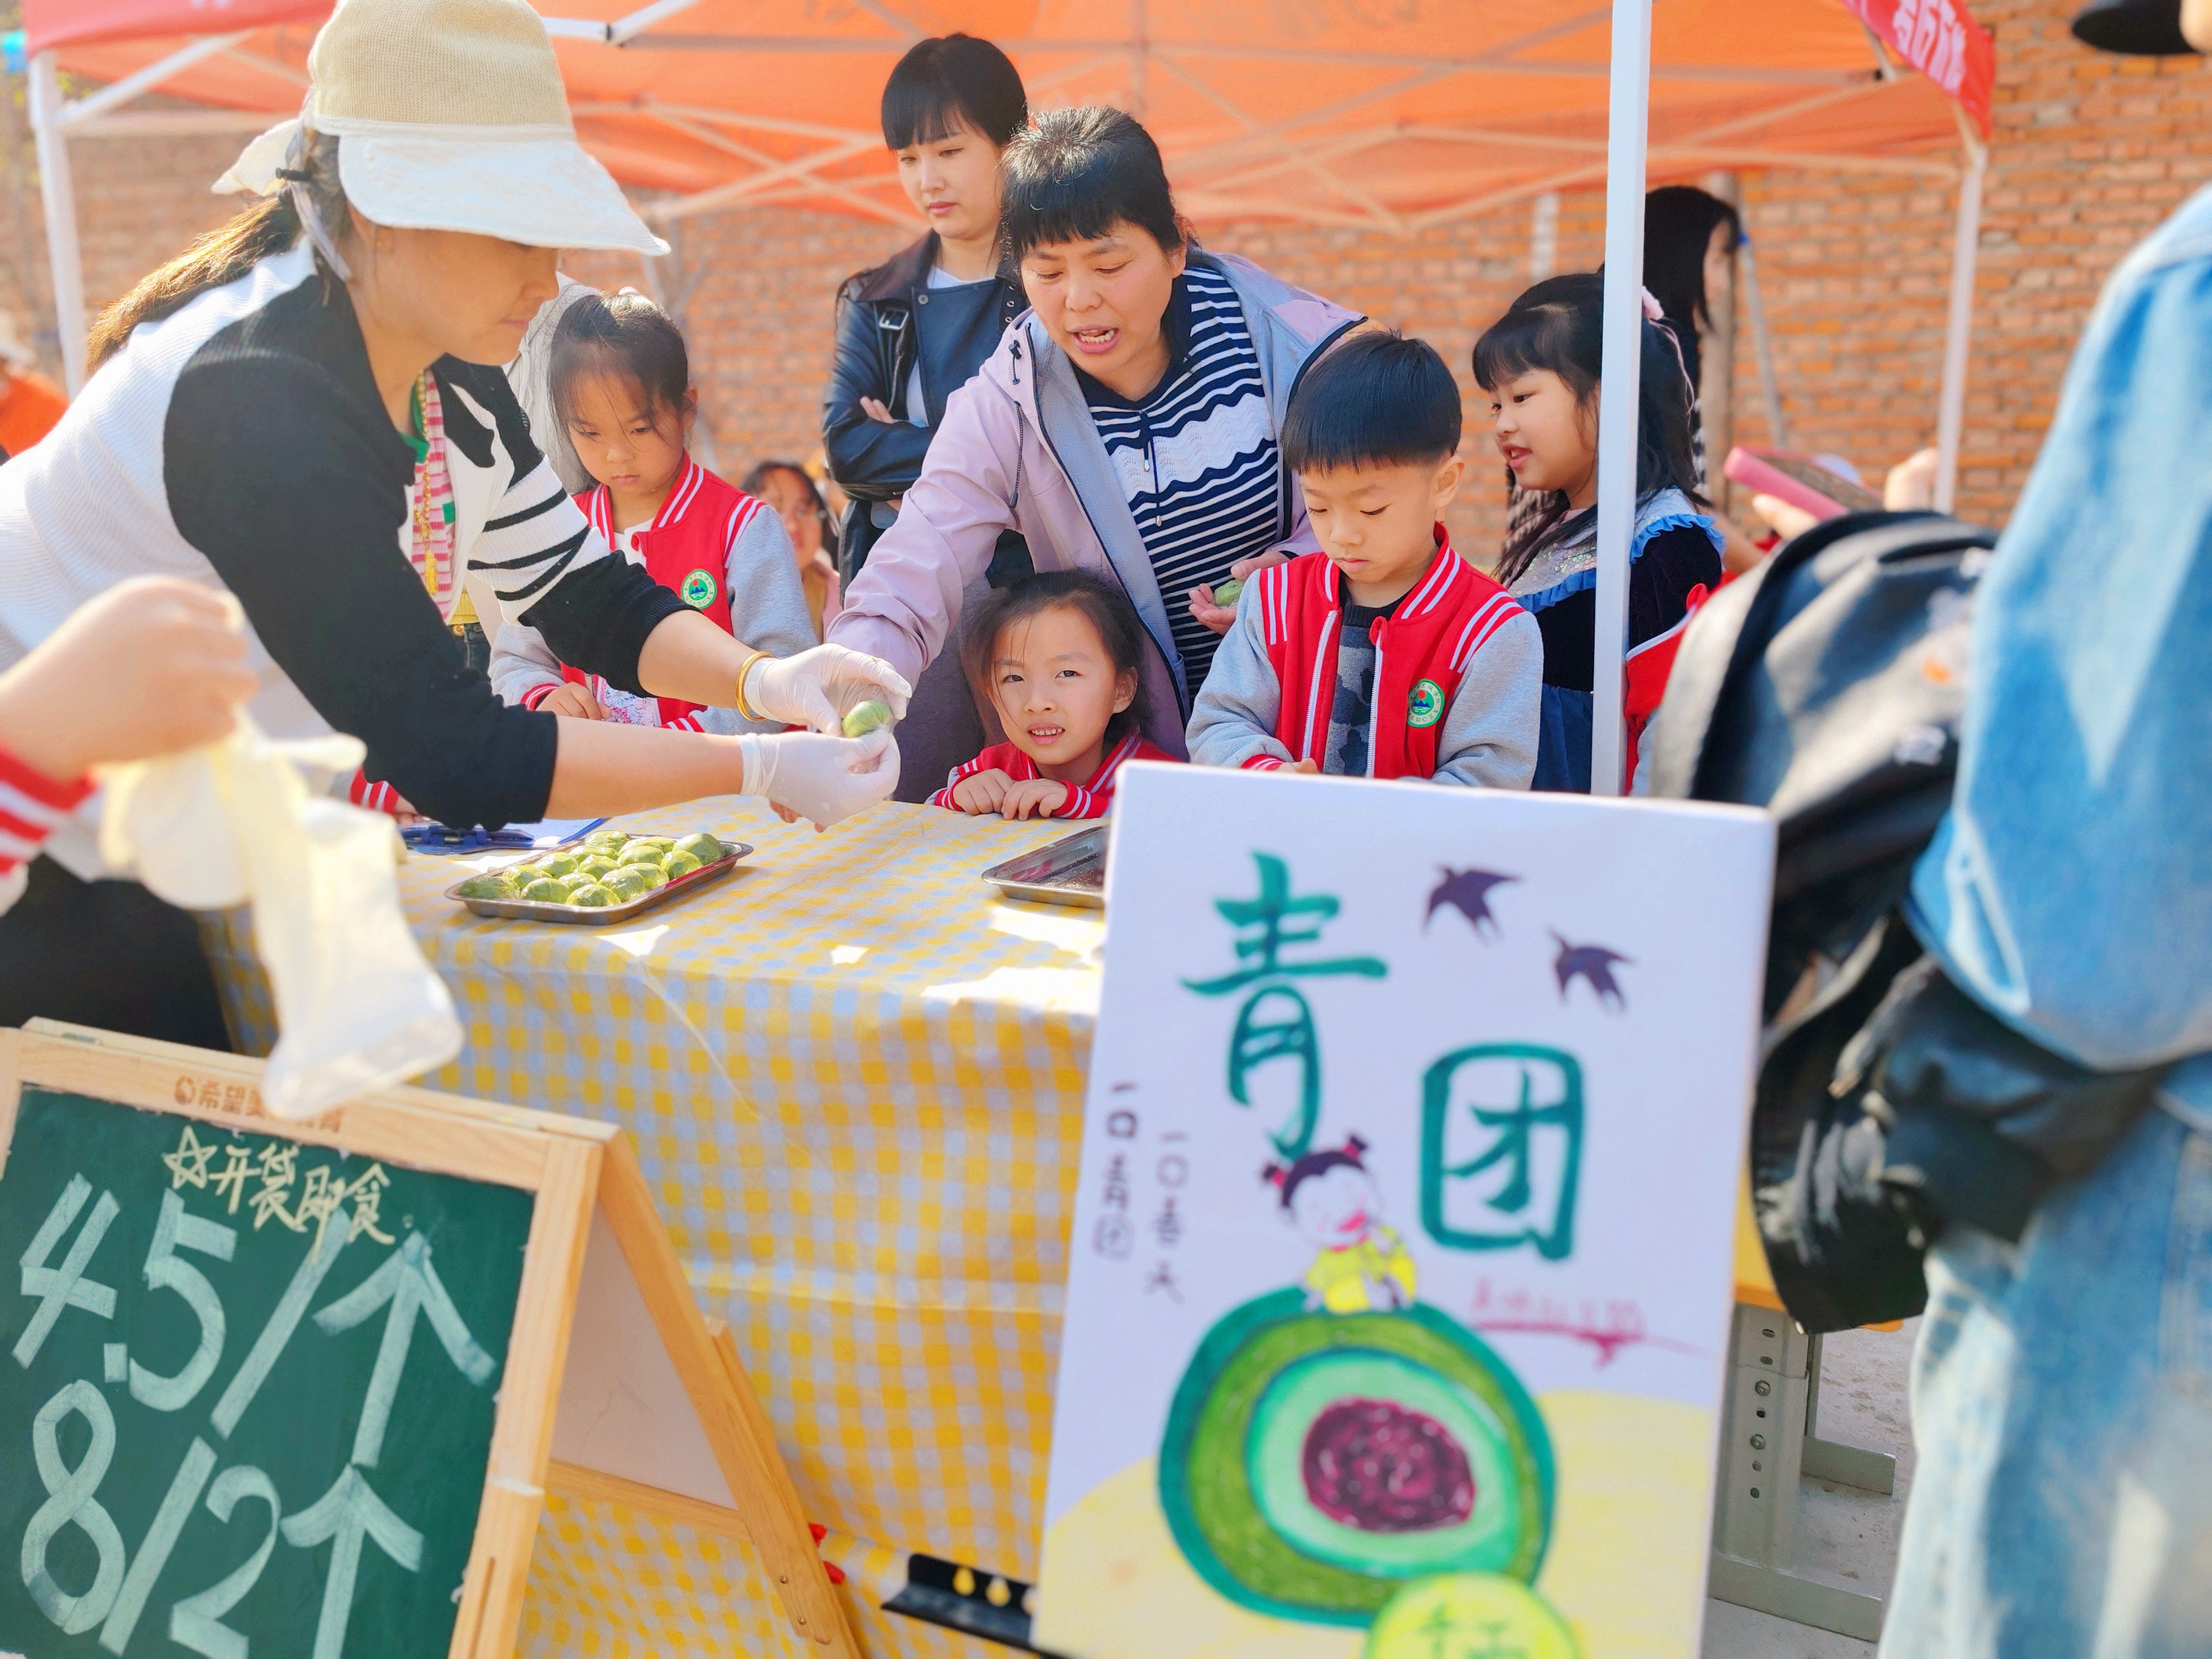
(249, 1390)
(294, 1391)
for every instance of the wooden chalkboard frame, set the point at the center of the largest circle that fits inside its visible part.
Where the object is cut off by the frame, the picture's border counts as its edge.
(577, 1169)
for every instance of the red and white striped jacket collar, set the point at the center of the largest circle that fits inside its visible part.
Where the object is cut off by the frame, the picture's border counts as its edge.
(690, 479)
(1436, 588)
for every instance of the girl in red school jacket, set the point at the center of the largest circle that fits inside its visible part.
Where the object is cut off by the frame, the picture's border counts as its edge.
(621, 383)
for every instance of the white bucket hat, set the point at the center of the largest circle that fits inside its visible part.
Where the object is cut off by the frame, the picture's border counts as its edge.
(451, 115)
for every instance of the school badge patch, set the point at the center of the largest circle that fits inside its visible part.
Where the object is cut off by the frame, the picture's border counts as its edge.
(698, 589)
(1426, 707)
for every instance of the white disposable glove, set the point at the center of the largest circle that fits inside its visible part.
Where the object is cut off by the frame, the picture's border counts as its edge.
(819, 777)
(818, 687)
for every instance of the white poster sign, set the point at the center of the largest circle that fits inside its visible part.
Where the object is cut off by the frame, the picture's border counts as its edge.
(1401, 1275)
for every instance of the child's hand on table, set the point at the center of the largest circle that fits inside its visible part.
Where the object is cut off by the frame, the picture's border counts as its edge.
(1038, 798)
(982, 793)
(573, 700)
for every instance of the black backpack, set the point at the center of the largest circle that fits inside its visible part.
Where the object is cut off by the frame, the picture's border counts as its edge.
(1828, 686)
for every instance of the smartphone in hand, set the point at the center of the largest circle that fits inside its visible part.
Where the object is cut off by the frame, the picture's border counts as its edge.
(1799, 480)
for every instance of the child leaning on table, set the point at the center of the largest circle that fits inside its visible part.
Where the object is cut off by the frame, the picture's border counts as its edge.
(1384, 654)
(1058, 655)
(620, 382)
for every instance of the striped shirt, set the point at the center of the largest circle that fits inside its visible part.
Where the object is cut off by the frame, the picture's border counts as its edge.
(32, 805)
(1196, 456)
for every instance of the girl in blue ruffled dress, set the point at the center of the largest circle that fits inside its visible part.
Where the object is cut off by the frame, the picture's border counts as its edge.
(1538, 363)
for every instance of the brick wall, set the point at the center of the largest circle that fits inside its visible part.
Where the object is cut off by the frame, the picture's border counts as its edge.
(2089, 153)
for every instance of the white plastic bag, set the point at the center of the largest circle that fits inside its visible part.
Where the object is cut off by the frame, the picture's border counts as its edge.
(357, 1007)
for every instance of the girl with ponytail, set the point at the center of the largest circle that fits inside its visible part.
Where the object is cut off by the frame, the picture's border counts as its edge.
(1540, 364)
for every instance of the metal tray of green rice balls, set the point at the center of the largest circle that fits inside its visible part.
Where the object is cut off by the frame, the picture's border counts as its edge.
(608, 877)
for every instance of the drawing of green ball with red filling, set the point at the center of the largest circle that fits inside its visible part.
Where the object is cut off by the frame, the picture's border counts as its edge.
(1315, 1463)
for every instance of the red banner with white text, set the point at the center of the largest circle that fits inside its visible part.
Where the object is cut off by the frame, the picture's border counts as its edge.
(1937, 38)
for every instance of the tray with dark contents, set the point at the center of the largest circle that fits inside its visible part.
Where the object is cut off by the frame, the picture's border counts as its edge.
(1070, 871)
(609, 878)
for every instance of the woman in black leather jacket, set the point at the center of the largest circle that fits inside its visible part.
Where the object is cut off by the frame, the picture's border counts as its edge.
(914, 330)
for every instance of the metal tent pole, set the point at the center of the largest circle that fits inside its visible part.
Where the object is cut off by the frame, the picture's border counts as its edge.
(59, 198)
(1777, 429)
(1951, 410)
(1621, 386)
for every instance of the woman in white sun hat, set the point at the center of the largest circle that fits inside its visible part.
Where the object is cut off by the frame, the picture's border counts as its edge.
(307, 409)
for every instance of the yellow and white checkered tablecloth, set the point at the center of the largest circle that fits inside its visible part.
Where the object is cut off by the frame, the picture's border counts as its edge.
(855, 1080)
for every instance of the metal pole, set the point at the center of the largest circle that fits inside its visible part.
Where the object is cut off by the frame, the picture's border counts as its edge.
(60, 199)
(1777, 430)
(1951, 409)
(1621, 385)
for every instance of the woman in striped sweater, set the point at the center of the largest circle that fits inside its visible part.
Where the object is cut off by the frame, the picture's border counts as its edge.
(1127, 424)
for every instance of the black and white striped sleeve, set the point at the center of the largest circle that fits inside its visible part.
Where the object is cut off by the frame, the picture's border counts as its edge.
(551, 571)
(296, 493)
(549, 568)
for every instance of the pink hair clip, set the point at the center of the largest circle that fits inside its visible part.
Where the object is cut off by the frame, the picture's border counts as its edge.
(1653, 311)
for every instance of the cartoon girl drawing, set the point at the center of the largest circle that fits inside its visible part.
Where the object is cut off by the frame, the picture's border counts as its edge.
(1363, 1265)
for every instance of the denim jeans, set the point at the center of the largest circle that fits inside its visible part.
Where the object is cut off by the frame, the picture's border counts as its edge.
(2061, 1402)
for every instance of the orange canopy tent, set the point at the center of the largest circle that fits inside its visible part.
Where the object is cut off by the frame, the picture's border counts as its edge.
(1329, 112)
(1431, 111)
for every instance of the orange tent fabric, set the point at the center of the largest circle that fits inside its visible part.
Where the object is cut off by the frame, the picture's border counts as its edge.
(1329, 112)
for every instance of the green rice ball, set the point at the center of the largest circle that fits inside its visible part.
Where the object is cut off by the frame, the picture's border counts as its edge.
(593, 897)
(558, 864)
(628, 883)
(680, 863)
(702, 846)
(547, 890)
(494, 885)
(639, 852)
(864, 718)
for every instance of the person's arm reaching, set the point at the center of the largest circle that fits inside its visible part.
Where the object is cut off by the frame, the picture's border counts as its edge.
(296, 496)
(153, 666)
(1234, 717)
(767, 606)
(905, 603)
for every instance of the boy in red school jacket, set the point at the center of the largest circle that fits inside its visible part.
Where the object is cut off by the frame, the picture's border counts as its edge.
(1385, 654)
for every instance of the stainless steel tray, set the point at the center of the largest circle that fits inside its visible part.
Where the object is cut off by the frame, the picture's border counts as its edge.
(1069, 871)
(583, 915)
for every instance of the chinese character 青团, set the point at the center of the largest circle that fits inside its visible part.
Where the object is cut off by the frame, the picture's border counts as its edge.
(1275, 1022)
(1501, 1148)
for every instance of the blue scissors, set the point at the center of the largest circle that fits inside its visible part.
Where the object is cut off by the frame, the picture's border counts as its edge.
(441, 838)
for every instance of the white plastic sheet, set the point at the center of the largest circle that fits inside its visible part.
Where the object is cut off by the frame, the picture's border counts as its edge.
(239, 822)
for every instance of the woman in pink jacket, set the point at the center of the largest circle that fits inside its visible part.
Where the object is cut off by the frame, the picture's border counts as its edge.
(1126, 424)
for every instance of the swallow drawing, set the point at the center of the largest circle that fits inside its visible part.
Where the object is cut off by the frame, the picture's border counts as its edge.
(1467, 891)
(1593, 962)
